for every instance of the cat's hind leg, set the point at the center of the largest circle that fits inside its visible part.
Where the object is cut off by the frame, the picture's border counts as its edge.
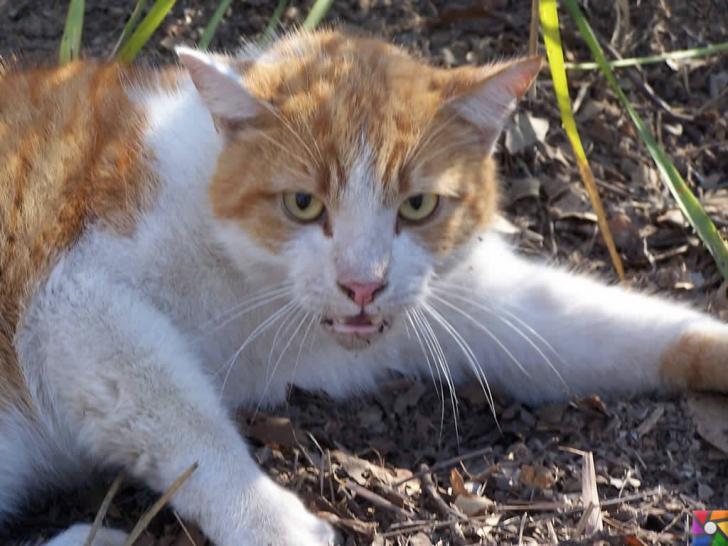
(542, 333)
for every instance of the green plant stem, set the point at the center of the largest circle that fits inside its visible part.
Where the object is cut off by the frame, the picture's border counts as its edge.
(129, 26)
(144, 31)
(71, 40)
(211, 27)
(316, 14)
(688, 203)
(270, 28)
(549, 17)
(715, 49)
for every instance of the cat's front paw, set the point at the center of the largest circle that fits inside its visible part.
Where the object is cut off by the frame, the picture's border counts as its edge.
(301, 528)
(279, 518)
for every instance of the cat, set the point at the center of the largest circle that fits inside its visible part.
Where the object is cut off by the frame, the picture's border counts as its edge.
(318, 212)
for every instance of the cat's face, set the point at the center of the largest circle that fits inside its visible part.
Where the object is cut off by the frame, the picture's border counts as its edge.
(354, 169)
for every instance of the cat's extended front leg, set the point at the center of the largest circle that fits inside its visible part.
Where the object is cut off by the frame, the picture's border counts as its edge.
(123, 380)
(542, 333)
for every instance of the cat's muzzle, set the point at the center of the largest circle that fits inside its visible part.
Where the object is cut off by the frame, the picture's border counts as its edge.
(361, 326)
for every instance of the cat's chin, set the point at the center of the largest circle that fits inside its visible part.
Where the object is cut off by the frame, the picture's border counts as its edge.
(356, 332)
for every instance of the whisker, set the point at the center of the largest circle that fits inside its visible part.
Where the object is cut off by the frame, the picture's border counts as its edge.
(281, 147)
(290, 128)
(439, 356)
(427, 138)
(269, 381)
(314, 318)
(436, 153)
(253, 335)
(289, 319)
(496, 314)
(309, 130)
(469, 355)
(270, 292)
(501, 308)
(486, 330)
(431, 368)
(437, 353)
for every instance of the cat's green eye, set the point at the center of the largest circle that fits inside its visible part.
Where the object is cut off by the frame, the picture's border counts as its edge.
(418, 208)
(304, 207)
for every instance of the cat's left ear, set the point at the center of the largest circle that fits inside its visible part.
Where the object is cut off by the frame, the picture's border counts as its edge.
(220, 87)
(489, 95)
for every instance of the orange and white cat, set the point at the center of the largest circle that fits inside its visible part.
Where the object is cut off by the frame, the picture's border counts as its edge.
(172, 243)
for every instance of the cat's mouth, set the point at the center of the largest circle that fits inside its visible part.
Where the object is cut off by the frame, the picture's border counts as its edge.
(362, 325)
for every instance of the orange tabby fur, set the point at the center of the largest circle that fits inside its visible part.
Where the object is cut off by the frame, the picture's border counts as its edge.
(325, 93)
(70, 154)
(697, 361)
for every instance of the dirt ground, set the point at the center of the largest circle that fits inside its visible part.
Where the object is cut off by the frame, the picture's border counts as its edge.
(520, 482)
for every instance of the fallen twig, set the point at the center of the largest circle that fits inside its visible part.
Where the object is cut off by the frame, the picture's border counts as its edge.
(445, 464)
(105, 504)
(443, 508)
(376, 499)
(147, 517)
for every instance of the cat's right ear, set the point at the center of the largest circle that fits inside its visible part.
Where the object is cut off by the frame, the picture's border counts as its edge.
(220, 87)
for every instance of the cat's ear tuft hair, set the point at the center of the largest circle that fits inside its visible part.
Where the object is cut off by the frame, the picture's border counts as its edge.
(219, 85)
(490, 98)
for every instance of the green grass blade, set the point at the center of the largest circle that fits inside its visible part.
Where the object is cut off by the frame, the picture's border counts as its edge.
(689, 204)
(552, 38)
(680, 55)
(212, 25)
(71, 40)
(144, 31)
(130, 25)
(270, 28)
(318, 11)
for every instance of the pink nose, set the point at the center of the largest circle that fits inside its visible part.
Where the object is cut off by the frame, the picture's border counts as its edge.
(362, 293)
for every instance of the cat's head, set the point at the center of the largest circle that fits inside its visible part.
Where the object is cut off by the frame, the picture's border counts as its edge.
(354, 168)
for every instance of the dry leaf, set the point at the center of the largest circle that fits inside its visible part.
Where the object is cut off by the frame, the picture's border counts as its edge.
(468, 503)
(361, 470)
(457, 483)
(524, 131)
(708, 412)
(537, 476)
(472, 505)
(523, 188)
(409, 398)
(367, 529)
(272, 430)
(420, 539)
